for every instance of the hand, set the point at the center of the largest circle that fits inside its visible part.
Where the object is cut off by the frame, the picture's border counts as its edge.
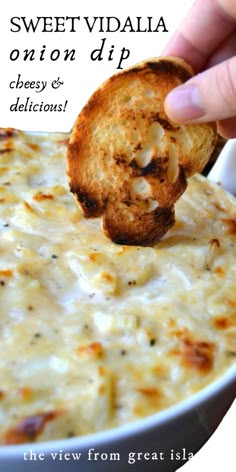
(207, 41)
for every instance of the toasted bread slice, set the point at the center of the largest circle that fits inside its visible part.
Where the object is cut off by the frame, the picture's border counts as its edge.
(126, 162)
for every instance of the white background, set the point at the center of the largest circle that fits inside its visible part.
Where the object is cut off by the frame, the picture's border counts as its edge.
(80, 78)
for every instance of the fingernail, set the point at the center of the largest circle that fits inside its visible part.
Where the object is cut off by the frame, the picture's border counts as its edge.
(185, 103)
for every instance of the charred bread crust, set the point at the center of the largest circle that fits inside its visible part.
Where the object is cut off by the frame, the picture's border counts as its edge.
(126, 161)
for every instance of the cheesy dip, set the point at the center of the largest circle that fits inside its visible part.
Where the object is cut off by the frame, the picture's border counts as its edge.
(94, 334)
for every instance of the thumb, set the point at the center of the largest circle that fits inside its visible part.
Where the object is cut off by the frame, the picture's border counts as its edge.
(209, 96)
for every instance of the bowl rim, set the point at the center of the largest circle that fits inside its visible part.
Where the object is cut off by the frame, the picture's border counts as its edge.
(111, 435)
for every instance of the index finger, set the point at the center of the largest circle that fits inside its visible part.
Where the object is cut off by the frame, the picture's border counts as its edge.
(206, 25)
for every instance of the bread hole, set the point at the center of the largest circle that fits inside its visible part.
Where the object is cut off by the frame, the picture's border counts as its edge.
(126, 98)
(144, 156)
(155, 134)
(173, 163)
(149, 93)
(140, 187)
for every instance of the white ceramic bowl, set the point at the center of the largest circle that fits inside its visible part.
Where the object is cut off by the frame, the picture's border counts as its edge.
(182, 429)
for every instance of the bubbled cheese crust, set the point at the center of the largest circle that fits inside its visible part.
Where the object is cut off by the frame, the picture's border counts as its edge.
(94, 334)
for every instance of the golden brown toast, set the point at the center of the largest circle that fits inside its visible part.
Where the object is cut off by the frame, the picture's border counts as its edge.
(126, 161)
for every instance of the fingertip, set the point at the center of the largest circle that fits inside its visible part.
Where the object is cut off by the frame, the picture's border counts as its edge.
(184, 104)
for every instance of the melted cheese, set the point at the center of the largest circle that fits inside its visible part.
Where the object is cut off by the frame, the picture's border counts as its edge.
(93, 334)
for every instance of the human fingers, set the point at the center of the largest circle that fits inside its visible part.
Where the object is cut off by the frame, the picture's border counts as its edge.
(227, 128)
(209, 96)
(206, 25)
(226, 50)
